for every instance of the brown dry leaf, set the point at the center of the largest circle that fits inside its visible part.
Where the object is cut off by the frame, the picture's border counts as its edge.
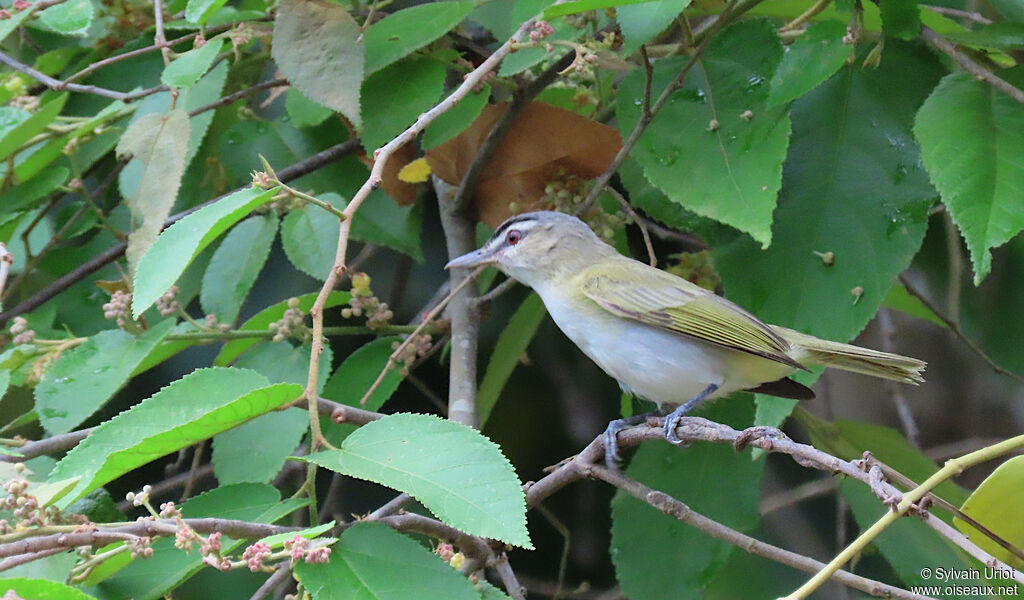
(544, 143)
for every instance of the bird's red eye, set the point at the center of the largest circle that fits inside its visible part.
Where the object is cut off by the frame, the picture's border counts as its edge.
(513, 236)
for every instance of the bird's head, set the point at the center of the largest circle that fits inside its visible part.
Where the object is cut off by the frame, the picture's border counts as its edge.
(538, 247)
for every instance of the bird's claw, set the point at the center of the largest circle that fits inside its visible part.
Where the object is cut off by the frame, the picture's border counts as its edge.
(612, 458)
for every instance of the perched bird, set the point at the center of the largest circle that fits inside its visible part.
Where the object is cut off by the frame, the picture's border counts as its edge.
(663, 338)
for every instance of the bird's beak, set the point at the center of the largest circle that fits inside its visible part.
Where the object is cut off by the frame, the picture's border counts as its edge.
(473, 259)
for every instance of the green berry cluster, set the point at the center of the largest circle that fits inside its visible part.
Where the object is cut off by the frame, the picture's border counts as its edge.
(364, 302)
(417, 348)
(695, 267)
(292, 324)
(566, 194)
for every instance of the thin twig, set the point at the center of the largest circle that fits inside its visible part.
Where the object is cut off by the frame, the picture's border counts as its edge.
(645, 108)
(405, 343)
(159, 38)
(263, 85)
(808, 14)
(193, 472)
(392, 506)
(651, 257)
(959, 14)
(497, 291)
(952, 468)
(6, 260)
(51, 445)
(678, 510)
(910, 428)
(970, 66)
(130, 54)
(508, 577)
(303, 167)
(278, 578)
(955, 328)
(56, 84)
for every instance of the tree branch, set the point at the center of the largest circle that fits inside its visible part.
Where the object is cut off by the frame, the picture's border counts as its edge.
(680, 511)
(56, 84)
(303, 167)
(970, 66)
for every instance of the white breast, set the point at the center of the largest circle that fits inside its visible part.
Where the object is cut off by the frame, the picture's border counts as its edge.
(660, 366)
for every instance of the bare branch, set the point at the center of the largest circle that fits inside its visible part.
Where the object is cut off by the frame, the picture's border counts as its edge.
(263, 85)
(56, 84)
(970, 66)
(955, 328)
(678, 510)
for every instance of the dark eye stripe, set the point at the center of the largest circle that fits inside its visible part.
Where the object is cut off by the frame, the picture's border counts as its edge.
(510, 222)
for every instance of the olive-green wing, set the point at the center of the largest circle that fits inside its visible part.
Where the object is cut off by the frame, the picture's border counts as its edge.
(634, 290)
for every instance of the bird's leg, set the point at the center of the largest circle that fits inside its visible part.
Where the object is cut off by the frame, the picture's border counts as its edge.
(673, 418)
(611, 442)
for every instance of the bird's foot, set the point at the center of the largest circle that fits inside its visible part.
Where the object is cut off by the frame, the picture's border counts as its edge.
(611, 441)
(671, 423)
(674, 417)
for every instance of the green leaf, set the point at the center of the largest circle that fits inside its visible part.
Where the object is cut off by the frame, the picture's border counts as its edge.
(160, 143)
(317, 46)
(900, 18)
(853, 186)
(169, 567)
(186, 70)
(403, 32)
(383, 222)
(72, 17)
(577, 6)
(27, 194)
(1011, 10)
(235, 264)
(900, 299)
(998, 36)
(176, 247)
(302, 111)
(256, 451)
(393, 97)
(454, 121)
(372, 561)
(730, 172)
(40, 589)
(508, 351)
(450, 468)
(359, 370)
(278, 540)
(89, 151)
(654, 552)
(262, 320)
(198, 11)
(9, 25)
(641, 22)
(84, 378)
(200, 405)
(811, 59)
(995, 504)
(310, 237)
(972, 143)
(21, 133)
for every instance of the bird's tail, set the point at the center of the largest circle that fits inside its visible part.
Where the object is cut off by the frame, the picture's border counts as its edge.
(810, 350)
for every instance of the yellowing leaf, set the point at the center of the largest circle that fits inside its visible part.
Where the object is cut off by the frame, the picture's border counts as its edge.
(998, 505)
(160, 143)
(415, 172)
